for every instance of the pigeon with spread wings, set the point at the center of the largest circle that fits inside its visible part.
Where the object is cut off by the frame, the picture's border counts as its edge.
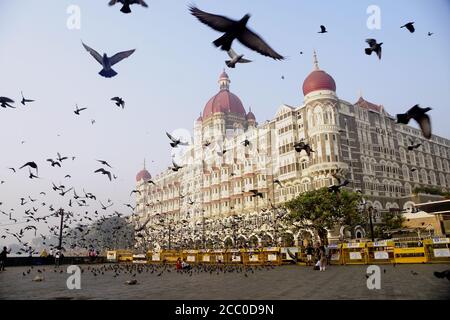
(234, 29)
(419, 114)
(108, 62)
(126, 4)
(373, 47)
(235, 58)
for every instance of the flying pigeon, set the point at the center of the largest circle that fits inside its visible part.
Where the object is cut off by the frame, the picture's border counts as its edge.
(119, 102)
(374, 47)
(235, 58)
(24, 101)
(409, 26)
(5, 102)
(234, 30)
(126, 4)
(108, 62)
(323, 29)
(419, 115)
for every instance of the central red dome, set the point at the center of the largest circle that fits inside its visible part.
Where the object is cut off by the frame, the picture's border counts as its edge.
(224, 101)
(143, 175)
(318, 80)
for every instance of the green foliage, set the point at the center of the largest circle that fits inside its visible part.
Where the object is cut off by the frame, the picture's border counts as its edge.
(322, 210)
(432, 190)
(390, 221)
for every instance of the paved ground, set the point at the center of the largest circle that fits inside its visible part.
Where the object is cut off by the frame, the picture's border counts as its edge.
(285, 282)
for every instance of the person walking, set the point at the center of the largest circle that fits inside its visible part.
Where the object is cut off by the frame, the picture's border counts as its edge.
(323, 258)
(309, 255)
(3, 257)
(57, 257)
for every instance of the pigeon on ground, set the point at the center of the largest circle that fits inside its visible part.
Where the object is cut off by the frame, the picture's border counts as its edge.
(443, 274)
(234, 30)
(108, 62)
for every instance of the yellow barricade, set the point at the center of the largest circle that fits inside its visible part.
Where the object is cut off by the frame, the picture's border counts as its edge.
(354, 253)
(170, 256)
(252, 256)
(408, 251)
(235, 256)
(380, 252)
(272, 256)
(335, 253)
(206, 256)
(437, 249)
(119, 256)
(154, 256)
(140, 258)
(190, 256)
(286, 257)
(219, 256)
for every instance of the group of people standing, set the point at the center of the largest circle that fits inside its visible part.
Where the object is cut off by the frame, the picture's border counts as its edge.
(318, 256)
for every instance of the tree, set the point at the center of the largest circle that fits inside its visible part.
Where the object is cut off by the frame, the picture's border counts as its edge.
(390, 221)
(322, 210)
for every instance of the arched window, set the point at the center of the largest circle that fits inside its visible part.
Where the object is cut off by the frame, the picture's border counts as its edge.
(430, 162)
(405, 172)
(432, 178)
(424, 175)
(412, 158)
(421, 160)
(446, 168)
(402, 154)
(442, 180)
(415, 175)
(400, 139)
(407, 189)
(439, 164)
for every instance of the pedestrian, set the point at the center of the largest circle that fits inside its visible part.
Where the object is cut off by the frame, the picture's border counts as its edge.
(327, 254)
(57, 257)
(3, 257)
(323, 258)
(309, 254)
(178, 265)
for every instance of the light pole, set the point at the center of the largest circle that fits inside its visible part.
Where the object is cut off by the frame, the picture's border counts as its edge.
(371, 223)
(61, 212)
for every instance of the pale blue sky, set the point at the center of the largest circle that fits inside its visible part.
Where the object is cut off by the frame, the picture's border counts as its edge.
(174, 72)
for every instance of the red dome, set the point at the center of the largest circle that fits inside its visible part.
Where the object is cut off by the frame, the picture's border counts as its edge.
(225, 102)
(318, 80)
(251, 116)
(143, 174)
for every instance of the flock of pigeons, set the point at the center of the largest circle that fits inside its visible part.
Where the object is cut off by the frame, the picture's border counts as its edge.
(231, 30)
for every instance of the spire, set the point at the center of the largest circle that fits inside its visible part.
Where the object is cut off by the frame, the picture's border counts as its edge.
(360, 93)
(316, 62)
(144, 164)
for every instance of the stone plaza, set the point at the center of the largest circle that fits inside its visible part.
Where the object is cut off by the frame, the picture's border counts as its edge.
(284, 282)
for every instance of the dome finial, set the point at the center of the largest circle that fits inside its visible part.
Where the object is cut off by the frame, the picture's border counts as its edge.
(316, 62)
(144, 164)
(224, 81)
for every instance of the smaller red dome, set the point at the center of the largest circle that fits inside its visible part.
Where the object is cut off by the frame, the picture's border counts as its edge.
(251, 116)
(143, 175)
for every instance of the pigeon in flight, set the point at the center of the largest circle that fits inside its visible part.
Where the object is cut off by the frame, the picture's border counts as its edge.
(278, 182)
(78, 110)
(256, 193)
(175, 142)
(30, 164)
(108, 62)
(419, 115)
(175, 166)
(299, 146)
(323, 29)
(127, 3)
(409, 26)
(103, 162)
(24, 101)
(103, 171)
(235, 58)
(234, 30)
(430, 34)
(119, 102)
(374, 47)
(5, 102)
(413, 145)
(54, 163)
